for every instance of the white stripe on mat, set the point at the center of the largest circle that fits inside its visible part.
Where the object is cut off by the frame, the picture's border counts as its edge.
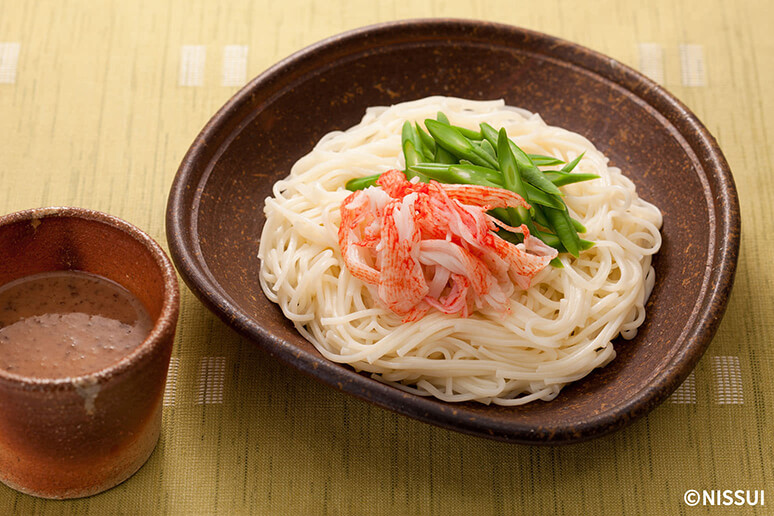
(693, 69)
(170, 389)
(686, 393)
(652, 61)
(9, 61)
(212, 375)
(234, 65)
(192, 65)
(727, 373)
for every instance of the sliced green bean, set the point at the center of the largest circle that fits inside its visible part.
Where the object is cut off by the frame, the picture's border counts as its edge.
(572, 164)
(408, 133)
(512, 180)
(454, 175)
(427, 140)
(531, 173)
(539, 216)
(552, 240)
(453, 141)
(489, 133)
(444, 156)
(564, 178)
(503, 215)
(359, 183)
(470, 172)
(469, 133)
(412, 158)
(441, 117)
(560, 222)
(556, 263)
(514, 238)
(485, 146)
(410, 153)
(578, 225)
(549, 239)
(544, 161)
(537, 196)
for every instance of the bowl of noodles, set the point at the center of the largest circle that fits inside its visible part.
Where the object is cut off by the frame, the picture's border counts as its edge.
(410, 291)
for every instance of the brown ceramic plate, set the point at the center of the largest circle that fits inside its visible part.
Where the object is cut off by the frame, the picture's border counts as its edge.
(215, 210)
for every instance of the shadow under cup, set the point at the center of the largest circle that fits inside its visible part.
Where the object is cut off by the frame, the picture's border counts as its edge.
(74, 437)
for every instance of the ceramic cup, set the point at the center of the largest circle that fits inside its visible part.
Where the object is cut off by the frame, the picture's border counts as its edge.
(75, 437)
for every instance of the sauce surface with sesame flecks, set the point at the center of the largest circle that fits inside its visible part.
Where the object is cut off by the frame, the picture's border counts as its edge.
(67, 323)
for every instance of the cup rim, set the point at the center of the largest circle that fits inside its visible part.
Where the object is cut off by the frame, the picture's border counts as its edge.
(163, 326)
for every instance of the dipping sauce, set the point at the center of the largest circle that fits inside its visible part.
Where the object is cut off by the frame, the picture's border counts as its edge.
(67, 323)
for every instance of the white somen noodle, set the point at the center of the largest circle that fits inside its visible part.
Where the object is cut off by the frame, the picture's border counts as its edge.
(557, 331)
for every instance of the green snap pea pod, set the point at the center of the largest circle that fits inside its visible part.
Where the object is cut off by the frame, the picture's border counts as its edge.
(544, 161)
(503, 215)
(469, 133)
(453, 175)
(577, 225)
(549, 239)
(560, 222)
(537, 196)
(563, 178)
(489, 133)
(360, 183)
(471, 172)
(514, 238)
(541, 219)
(531, 173)
(487, 147)
(409, 133)
(556, 263)
(412, 158)
(510, 171)
(584, 244)
(442, 155)
(453, 141)
(539, 216)
(512, 180)
(427, 140)
(554, 241)
(411, 154)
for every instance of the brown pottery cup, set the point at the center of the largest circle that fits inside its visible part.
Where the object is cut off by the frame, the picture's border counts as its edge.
(78, 436)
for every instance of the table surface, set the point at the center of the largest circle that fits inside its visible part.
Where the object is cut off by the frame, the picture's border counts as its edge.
(99, 102)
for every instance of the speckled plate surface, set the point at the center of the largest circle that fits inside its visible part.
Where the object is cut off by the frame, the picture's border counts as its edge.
(215, 209)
